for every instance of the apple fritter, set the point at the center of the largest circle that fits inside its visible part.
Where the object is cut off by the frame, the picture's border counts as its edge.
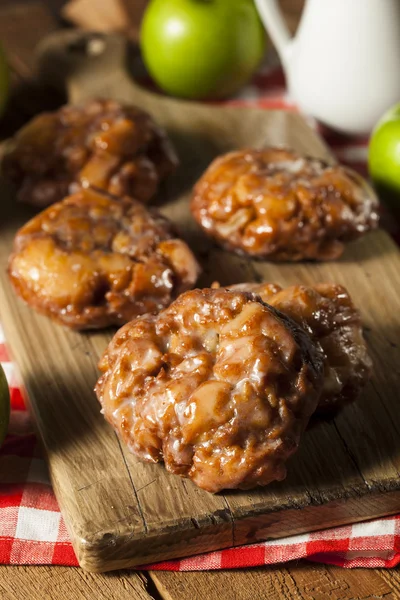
(92, 261)
(104, 144)
(277, 205)
(219, 386)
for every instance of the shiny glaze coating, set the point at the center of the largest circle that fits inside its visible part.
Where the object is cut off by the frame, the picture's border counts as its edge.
(219, 386)
(92, 260)
(275, 204)
(102, 144)
(328, 314)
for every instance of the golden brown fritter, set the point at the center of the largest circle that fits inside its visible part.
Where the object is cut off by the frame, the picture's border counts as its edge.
(219, 386)
(92, 260)
(275, 204)
(104, 144)
(329, 316)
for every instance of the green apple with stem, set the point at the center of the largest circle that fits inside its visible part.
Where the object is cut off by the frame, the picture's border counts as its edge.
(202, 48)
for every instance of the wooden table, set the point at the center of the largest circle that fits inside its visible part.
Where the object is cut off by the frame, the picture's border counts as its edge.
(21, 27)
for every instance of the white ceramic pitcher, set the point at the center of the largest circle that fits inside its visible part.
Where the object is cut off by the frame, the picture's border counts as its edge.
(343, 65)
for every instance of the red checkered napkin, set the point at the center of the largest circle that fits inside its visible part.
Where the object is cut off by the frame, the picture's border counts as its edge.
(32, 530)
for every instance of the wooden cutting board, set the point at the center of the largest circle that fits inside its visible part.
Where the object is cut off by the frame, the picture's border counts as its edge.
(121, 512)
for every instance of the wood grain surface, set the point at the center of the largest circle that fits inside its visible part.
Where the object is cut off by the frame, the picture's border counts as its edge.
(122, 512)
(290, 582)
(293, 581)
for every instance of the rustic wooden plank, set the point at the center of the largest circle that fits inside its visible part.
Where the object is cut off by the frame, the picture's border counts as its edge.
(392, 578)
(301, 581)
(122, 512)
(318, 582)
(49, 583)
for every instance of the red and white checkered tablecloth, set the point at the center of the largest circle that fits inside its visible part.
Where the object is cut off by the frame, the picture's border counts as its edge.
(32, 530)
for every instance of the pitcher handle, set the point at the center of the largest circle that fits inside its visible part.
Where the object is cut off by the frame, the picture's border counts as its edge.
(272, 17)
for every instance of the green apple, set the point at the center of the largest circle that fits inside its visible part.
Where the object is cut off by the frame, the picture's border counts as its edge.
(202, 48)
(4, 406)
(4, 80)
(384, 157)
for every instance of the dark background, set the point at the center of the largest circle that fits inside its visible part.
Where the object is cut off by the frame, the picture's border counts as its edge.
(292, 8)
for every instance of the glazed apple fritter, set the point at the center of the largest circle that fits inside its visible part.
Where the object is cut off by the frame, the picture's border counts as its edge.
(218, 385)
(103, 144)
(327, 313)
(275, 204)
(92, 261)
